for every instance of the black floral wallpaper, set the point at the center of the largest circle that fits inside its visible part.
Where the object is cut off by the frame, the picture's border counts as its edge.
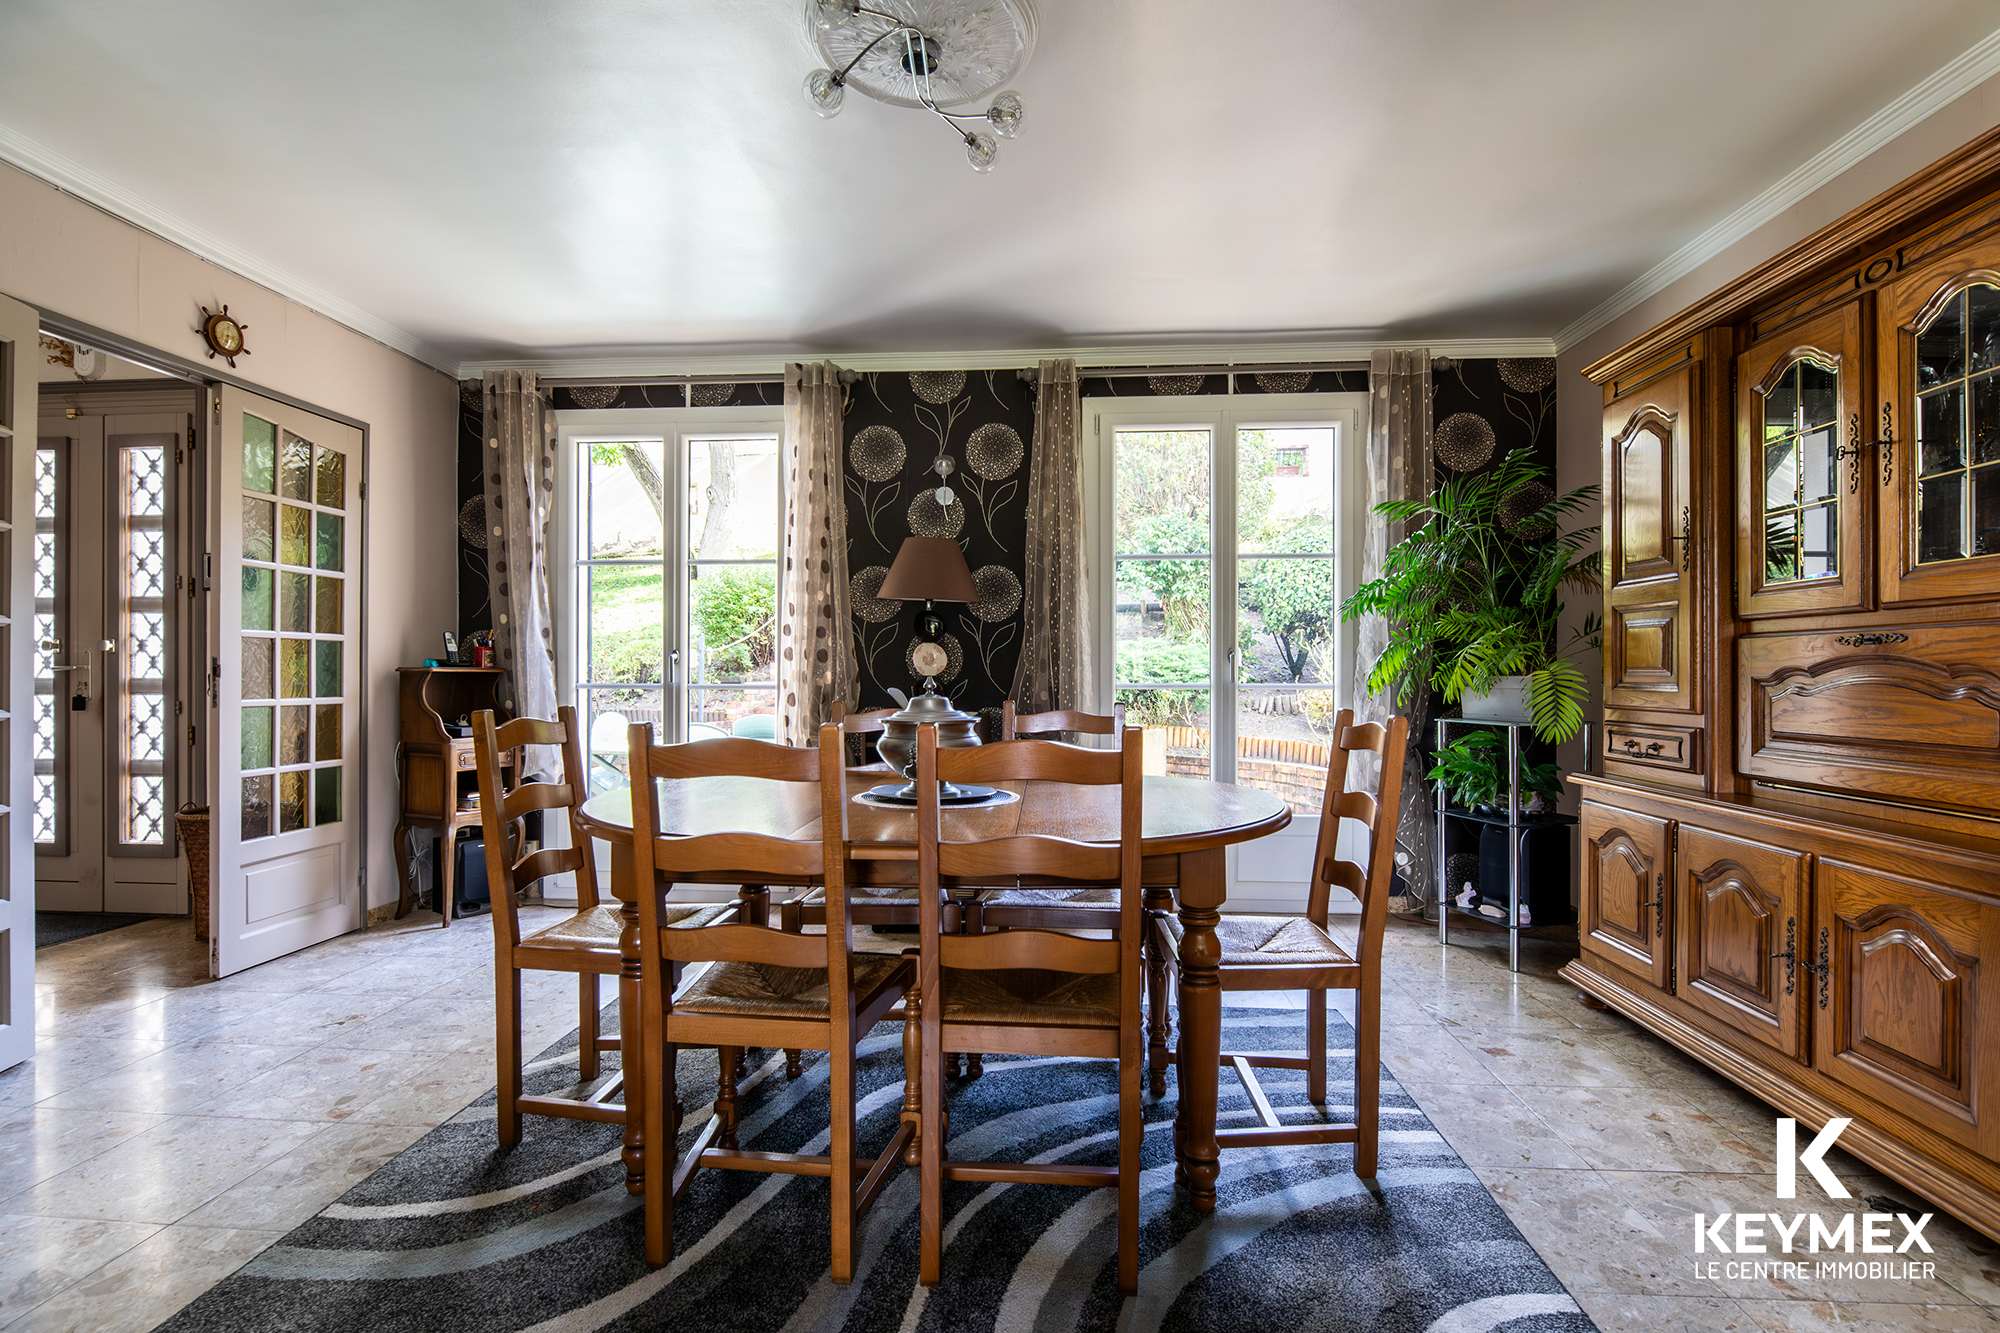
(475, 606)
(900, 426)
(1483, 410)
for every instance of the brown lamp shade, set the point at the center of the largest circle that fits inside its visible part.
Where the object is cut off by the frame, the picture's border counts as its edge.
(929, 569)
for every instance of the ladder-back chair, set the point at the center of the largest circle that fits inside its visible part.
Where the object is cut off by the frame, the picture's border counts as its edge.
(1060, 722)
(1299, 953)
(762, 987)
(895, 906)
(981, 992)
(584, 943)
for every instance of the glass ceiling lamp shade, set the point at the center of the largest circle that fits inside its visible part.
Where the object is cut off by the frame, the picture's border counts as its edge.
(825, 92)
(831, 15)
(1006, 114)
(929, 55)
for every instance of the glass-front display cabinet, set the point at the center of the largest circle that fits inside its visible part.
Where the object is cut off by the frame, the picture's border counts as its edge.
(1939, 467)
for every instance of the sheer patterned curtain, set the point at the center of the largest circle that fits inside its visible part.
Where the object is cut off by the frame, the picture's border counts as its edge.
(815, 637)
(1399, 468)
(1052, 671)
(520, 488)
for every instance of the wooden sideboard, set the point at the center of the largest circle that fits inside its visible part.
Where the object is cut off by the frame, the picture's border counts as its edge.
(1792, 831)
(434, 766)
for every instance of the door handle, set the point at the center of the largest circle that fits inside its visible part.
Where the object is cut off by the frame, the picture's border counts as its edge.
(1658, 903)
(82, 690)
(1790, 955)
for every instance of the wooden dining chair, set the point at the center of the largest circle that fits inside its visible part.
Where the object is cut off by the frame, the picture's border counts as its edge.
(584, 942)
(761, 987)
(1062, 721)
(893, 906)
(992, 992)
(1300, 953)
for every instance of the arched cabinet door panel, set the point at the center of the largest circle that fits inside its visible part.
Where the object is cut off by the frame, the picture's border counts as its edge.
(1805, 487)
(1744, 938)
(1937, 474)
(1649, 525)
(1625, 879)
(1906, 984)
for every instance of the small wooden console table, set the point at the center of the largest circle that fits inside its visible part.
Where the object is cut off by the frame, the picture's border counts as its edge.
(434, 766)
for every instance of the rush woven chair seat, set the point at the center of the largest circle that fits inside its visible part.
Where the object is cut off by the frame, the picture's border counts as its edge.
(761, 987)
(1300, 953)
(584, 943)
(1026, 991)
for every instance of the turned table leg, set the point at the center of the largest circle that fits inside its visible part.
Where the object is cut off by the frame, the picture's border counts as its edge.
(1203, 882)
(632, 1035)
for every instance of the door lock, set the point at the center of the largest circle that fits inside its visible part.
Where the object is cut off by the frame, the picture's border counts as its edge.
(80, 689)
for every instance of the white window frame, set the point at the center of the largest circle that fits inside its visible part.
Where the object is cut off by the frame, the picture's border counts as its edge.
(1223, 415)
(674, 427)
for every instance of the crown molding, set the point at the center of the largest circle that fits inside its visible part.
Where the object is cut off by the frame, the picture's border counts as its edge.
(1973, 67)
(1354, 347)
(23, 153)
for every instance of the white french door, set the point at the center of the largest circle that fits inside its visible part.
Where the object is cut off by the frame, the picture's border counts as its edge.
(111, 731)
(287, 573)
(19, 327)
(672, 520)
(1227, 534)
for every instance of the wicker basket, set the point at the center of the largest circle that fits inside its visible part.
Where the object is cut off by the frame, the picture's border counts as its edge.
(192, 822)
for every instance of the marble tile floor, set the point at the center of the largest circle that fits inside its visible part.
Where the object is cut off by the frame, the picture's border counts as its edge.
(171, 1127)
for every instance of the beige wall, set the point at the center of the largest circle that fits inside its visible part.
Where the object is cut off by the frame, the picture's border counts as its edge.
(1579, 403)
(67, 257)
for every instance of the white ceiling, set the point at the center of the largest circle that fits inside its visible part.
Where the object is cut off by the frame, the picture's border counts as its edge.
(516, 179)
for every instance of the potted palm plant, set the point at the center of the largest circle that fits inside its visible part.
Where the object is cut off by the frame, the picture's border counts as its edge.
(1475, 594)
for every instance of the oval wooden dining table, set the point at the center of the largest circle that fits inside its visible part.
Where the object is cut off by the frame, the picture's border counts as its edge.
(1188, 822)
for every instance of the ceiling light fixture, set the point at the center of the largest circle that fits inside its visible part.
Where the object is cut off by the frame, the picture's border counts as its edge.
(928, 54)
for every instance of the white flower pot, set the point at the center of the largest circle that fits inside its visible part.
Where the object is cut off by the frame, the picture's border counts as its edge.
(1507, 701)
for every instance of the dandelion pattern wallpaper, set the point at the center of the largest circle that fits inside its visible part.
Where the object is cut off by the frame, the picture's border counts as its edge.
(901, 426)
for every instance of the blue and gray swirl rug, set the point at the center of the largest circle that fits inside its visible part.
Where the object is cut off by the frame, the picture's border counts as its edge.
(457, 1234)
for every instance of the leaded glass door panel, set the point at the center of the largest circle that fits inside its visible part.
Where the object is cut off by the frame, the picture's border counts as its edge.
(1806, 476)
(1940, 478)
(287, 762)
(111, 735)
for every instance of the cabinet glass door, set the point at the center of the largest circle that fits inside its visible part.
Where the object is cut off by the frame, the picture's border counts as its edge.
(1801, 467)
(1940, 476)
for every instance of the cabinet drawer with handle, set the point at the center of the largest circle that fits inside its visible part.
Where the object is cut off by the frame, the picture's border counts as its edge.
(1657, 747)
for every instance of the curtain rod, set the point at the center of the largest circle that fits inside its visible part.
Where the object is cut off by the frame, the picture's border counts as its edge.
(1238, 367)
(1094, 372)
(638, 381)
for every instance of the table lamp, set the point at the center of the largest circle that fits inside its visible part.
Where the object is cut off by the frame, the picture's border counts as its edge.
(930, 569)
